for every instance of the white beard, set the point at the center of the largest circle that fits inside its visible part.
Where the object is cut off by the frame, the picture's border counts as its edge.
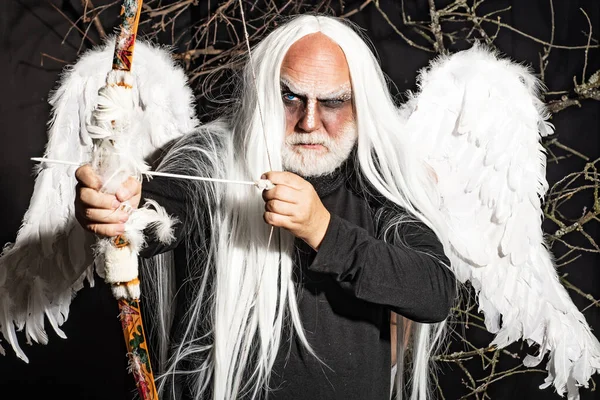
(311, 162)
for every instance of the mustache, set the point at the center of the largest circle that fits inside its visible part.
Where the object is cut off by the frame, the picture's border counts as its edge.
(309, 138)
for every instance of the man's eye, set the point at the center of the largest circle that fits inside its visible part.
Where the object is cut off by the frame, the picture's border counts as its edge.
(290, 97)
(333, 103)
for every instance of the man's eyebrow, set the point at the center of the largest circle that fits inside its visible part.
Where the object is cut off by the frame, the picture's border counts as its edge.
(344, 92)
(284, 83)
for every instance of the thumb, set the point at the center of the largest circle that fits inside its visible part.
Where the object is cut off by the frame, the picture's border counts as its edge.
(129, 190)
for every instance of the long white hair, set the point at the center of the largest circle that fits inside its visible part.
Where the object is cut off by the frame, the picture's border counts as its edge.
(241, 289)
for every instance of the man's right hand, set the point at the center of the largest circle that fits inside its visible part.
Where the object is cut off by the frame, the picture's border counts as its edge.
(101, 213)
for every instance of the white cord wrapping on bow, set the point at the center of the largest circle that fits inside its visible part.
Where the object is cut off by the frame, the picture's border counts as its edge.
(116, 156)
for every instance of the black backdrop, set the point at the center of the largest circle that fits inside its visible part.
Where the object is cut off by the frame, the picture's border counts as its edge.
(90, 363)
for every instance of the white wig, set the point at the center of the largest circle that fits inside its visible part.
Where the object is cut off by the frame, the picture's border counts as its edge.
(243, 291)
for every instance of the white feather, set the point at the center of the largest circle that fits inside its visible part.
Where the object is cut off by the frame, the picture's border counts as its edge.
(151, 215)
(490, 170)
(52, 255)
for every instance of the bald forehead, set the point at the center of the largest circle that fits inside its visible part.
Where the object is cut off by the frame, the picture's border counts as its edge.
(318, 44)
(315, 64)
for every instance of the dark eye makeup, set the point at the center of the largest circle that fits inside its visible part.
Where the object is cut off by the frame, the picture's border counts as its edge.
(291, 98)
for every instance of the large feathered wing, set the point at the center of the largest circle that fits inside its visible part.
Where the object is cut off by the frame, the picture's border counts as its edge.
(477, 121)
(52, 255)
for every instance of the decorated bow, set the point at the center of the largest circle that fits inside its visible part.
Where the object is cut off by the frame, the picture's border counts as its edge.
(114, 159)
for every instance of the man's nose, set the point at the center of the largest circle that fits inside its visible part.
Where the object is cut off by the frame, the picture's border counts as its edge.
(310, 120)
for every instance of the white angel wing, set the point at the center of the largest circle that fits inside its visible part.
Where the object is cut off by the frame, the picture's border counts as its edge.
(52, 255)
(478, 121)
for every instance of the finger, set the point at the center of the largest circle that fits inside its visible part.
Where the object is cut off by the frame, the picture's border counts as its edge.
(130, 188)
(285, 178)
(95, 199)
(86, 176)
(95, 215)
(276, 220)
(282, 193)
(108, 230)
(280, 207)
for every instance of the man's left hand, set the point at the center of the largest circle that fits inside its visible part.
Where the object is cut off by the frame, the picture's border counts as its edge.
(293, 204)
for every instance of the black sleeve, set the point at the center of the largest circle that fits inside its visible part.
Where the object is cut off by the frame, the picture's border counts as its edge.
(409, 277)
(169, 194)
(194, 155)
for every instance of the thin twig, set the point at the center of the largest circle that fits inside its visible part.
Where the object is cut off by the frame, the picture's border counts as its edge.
(587, 47)
(73, 24)
(436, 28)
(528, 36)
(95, 19)
(356, 10)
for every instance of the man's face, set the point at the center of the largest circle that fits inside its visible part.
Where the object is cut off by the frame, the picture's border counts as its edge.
(317, 97)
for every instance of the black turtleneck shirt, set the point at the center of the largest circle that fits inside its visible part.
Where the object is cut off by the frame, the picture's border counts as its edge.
(346, 291)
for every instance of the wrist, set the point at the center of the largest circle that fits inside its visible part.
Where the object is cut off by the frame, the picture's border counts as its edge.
(318, 234)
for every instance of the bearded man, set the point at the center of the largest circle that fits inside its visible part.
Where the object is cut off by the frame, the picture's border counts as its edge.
(288, 295)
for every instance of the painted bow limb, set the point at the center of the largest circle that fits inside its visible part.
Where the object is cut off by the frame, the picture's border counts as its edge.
(115, 159)
(53, 258)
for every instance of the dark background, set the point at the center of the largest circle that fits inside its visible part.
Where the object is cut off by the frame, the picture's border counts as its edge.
(90, 363)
